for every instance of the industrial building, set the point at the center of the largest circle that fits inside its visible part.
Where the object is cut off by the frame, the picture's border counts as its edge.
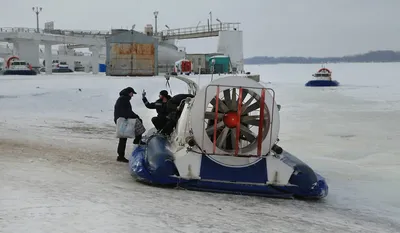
(36, 45)
(131, 53)
(200, 60)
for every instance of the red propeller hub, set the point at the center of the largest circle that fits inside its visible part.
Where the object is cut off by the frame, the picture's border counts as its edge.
(231, 119)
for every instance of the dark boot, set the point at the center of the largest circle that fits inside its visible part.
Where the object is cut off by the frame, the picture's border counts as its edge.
(122, 159)
(155, 121)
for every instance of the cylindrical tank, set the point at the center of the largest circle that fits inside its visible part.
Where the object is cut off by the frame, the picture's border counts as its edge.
(168, 55)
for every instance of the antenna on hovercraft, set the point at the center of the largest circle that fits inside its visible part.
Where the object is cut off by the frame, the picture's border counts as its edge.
(167, 83)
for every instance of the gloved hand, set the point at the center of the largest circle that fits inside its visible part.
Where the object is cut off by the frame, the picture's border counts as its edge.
(143, 93)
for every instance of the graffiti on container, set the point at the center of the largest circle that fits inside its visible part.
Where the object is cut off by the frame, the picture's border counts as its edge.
(133, 49)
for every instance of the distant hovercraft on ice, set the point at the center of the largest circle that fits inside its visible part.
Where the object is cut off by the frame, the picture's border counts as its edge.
(226, 146)
(323, 78)
(15, 66)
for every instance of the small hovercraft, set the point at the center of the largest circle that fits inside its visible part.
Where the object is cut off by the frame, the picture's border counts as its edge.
(225, 140)
(15, 66)
(323, 78)
(61, 67)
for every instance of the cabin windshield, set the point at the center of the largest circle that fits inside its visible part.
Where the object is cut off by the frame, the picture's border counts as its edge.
(18, 63)
(63, 63)
(322, 75)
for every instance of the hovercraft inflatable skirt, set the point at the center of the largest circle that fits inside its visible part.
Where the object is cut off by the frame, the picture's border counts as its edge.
(62, 70)
(19, 72)
(154, 164)
(322, 83)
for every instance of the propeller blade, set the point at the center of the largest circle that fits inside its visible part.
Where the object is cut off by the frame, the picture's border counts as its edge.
(251, 108)
(211, 115)
(221, 140)
(250, 120)
(210, 129)
(221, 105)
(234, 102)
(233, 138)
(248, 102)
(227, 97)
(247, 133)
(244, 94)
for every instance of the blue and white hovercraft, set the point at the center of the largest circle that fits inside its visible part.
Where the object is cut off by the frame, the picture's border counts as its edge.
(323, 78)
(226, 146)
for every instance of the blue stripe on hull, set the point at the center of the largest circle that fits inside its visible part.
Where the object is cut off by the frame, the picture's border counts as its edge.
(255, 173)
(152, 164)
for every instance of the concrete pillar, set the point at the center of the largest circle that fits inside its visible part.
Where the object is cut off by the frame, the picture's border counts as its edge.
(15, 51)
(71, 58)
(27, 50)
(48, 58)
(71, 63)
(95, 58)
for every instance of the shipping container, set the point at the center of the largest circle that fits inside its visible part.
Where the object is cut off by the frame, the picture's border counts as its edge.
(131, 53)
(132, 59)
(200, 60)
(221, 64)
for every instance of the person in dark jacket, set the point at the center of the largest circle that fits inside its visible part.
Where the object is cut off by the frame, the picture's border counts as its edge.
(174, 108)
(160, 106)
(123, 108)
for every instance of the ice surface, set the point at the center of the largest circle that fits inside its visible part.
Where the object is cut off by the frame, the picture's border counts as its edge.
(59, 174)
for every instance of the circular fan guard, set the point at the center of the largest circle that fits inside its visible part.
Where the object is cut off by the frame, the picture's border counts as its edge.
(227, 119)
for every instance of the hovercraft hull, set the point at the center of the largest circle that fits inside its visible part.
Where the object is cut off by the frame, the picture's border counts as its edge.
(154, 164)
(322, 83)
(62, 70)
(19, 72)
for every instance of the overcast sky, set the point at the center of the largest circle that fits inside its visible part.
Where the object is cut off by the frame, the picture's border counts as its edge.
(271, 27)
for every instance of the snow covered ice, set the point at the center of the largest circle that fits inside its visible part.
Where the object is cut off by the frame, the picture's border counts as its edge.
(59, 174)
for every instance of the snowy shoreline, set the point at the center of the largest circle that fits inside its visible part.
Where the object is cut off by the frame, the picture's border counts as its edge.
(59, 174)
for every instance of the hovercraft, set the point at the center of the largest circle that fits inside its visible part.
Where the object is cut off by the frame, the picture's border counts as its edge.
(60, 67)
(323, 78)
(225, 140)
(15, 66)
